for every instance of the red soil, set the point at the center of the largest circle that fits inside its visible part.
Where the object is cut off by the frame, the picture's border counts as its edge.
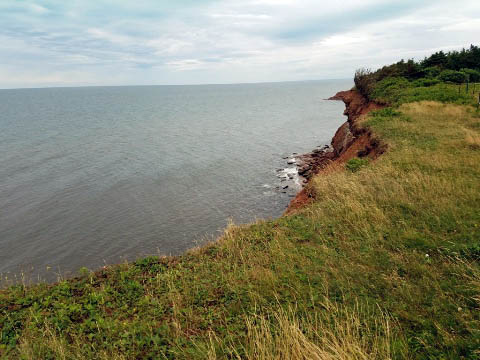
(351, 140)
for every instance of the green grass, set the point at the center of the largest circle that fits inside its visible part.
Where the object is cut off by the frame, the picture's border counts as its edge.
(397, 91)
(383, 264)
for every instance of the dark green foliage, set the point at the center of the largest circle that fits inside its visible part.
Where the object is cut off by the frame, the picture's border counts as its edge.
(408, 70)
(472, 75)
(431, 72)
(455, 60)
(364, 81)
(438, 59)
(382, 84)
(453, 76)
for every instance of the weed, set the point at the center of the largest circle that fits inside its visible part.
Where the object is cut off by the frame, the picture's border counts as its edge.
(356, 164)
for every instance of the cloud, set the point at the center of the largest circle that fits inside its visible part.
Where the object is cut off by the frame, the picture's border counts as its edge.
(107, 42)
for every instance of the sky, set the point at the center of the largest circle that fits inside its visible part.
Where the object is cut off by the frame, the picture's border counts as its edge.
(46, 43)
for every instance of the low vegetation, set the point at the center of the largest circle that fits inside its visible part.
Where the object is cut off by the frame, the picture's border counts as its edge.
(356, 164)
(384, 264)
(438, 70)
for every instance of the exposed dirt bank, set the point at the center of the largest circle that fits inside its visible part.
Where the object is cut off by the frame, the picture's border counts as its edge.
(351, 140)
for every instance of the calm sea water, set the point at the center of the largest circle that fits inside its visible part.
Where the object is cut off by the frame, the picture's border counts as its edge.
(90, 176)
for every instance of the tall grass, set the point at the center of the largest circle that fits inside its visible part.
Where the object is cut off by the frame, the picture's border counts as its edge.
(334, 333)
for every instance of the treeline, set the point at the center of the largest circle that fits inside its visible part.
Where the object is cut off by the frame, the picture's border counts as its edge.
(453, 67)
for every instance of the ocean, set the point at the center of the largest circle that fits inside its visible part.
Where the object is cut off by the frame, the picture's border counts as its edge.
(99, 175)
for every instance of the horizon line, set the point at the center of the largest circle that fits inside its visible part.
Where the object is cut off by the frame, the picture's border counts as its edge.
(145, 85)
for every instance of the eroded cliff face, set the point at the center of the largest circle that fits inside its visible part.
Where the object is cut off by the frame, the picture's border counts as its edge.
(357, 141)
(351, 140)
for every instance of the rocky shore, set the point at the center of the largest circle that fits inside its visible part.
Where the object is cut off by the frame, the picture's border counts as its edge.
(350, 140)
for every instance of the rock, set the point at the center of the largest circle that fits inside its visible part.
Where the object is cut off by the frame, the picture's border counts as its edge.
(285, 187)
(291, 161)
(291, 176)
(342, 139)
(304, 169)
(329, 155)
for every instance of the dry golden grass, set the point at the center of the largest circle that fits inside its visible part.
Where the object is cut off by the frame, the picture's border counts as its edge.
(334, 333)
(472, 138)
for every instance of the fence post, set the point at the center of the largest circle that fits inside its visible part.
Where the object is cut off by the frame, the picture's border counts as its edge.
(466, 90)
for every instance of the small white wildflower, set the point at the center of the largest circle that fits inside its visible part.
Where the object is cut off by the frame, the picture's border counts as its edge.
(459, 309)
(426, 255)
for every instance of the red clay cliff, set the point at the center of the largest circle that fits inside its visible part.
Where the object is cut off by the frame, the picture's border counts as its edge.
(351, 140)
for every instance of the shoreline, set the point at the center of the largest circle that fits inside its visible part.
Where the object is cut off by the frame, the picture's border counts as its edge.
(350, 140)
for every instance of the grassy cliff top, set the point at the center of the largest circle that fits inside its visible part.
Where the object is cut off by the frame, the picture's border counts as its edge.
(383, 264)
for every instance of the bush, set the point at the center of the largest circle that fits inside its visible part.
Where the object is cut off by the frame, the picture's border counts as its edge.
(364, 82)
(453, 76)
(385, 91)
(472, 75)
(431, 72)
(409, 69)
(356, 164)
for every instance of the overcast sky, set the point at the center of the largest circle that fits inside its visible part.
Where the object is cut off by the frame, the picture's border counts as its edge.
(114, 42)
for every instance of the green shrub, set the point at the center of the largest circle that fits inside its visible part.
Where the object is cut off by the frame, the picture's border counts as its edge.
(364, 82)
(472, 75)
(356, 164)
(407, 69)
(386, 90)
(456, 77)
(431, 72)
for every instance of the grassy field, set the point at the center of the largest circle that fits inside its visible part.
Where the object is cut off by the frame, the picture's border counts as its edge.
(384, 264)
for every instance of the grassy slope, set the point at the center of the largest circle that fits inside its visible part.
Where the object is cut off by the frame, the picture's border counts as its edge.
(384, 264)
